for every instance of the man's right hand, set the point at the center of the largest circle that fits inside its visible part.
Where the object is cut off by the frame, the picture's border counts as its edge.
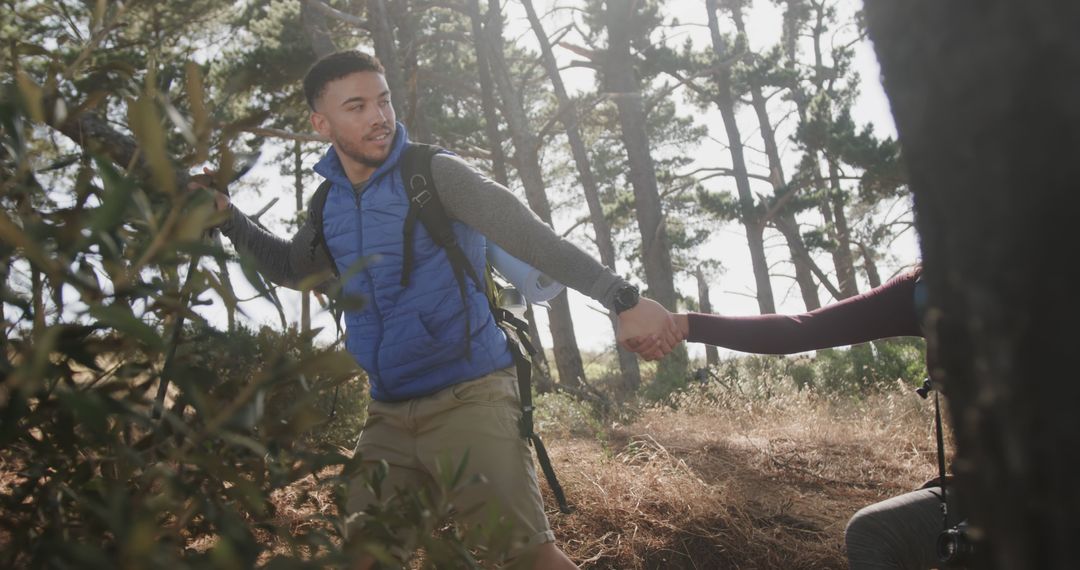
(205, 181)
(648, 348)
(648, 329)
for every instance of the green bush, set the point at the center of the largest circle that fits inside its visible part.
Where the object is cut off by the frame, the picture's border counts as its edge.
(333, 409)
(102, 256)
(841, 372)
(871, 365)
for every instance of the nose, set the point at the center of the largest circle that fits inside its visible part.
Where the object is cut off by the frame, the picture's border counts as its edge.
(380, 115)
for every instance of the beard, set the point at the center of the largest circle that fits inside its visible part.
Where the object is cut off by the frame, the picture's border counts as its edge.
(353, 150)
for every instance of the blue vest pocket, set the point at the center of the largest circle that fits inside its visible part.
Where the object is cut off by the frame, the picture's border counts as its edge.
(408, 348)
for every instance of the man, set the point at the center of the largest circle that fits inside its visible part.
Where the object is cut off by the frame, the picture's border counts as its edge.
(432, 400)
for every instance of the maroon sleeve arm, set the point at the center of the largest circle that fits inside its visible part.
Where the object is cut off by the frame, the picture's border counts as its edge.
(882, 312)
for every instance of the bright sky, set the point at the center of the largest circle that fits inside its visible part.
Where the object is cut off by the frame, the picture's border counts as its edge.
(732, 292)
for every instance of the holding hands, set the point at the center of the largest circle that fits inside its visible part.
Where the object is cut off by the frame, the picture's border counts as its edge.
(649, 330)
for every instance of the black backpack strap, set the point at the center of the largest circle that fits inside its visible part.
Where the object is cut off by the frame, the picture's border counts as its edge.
(315, 211)
(525, 424)
(425, 206)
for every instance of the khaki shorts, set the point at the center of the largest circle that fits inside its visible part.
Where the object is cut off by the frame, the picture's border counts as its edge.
(422, 437)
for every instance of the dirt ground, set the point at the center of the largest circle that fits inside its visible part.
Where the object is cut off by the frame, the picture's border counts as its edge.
(760, 486)
(767, 487)
(770, 488)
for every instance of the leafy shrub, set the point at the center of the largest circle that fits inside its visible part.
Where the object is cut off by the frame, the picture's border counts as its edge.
(871, 365)
(843, 372)
(336, 407)
(126, 438)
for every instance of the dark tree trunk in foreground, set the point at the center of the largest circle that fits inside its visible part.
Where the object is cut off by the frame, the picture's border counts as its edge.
(986, 97)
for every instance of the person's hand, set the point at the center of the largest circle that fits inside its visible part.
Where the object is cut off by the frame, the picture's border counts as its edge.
(648, 329)
(682, 321)
(206, 181)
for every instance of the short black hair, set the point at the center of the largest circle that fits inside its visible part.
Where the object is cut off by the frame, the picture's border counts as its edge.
(335, 66)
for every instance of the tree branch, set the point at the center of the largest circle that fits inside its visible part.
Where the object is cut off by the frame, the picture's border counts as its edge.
(286, 135)
(314, 23)
(586, 53)
(579, 63)
(721, 171)
(339, 15)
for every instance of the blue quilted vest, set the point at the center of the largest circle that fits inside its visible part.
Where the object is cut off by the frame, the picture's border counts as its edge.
(409, 340)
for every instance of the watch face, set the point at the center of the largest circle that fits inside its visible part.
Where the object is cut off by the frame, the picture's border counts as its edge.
(626, 298)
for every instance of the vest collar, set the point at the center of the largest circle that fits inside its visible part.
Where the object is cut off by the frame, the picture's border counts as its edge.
(329, 166)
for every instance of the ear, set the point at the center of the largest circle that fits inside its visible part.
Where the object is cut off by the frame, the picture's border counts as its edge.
(320, 123)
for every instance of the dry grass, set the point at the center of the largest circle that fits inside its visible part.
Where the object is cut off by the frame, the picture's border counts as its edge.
(766, 486)
(757, 486)
(710, 484)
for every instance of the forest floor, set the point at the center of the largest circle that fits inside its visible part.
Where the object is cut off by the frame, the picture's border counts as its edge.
(769, 485)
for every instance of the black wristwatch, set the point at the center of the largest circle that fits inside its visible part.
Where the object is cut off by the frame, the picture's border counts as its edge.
(626, 297)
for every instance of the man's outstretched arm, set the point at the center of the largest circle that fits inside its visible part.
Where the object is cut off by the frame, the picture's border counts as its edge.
(286, 262)
(491, 209)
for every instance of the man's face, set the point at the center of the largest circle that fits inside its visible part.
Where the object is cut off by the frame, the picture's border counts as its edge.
(354, 112)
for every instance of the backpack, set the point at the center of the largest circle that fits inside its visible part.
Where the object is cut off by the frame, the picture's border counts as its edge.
(425, 206)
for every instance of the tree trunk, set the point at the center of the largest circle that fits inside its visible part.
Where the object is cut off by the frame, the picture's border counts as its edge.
(541, 367)
(37, 299)
(527, 149)
(712, 354)
(298, 181)
(832, 205)
(314, 22)
(796, 14)
(628, 363)
(487, 97)
(382, 31)
(804, 265)
(5, 268)
(803, 272)
(414, 120)
(985, 99)
(750, 216)
(621, 81)
(322, 43)
(799, 249)
(842, 256)
(873, 276)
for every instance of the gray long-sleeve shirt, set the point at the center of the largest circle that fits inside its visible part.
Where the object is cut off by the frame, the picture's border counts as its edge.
(469, 197)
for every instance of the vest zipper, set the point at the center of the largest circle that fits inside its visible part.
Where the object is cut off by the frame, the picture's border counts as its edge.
(373, 374)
